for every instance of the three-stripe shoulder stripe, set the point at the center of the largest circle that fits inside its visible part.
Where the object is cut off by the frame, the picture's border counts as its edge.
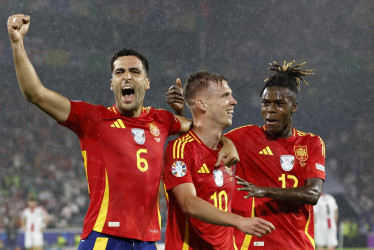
(178, 147)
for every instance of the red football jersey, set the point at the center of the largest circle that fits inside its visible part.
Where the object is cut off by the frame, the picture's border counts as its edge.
(123, 162)
(189, 160)
(285, 163)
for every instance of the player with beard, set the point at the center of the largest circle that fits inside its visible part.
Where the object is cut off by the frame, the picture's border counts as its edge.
(122, 146)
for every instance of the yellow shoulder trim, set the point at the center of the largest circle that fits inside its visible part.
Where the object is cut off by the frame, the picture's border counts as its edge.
(179, 144)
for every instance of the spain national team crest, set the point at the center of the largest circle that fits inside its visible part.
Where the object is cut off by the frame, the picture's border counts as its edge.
(287, 162)
(301, 153)
(154, 129)
(218, 177)
(138, 135)
(179, 169)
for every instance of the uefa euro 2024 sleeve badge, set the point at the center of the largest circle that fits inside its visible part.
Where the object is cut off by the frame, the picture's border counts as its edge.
(138, 135)
(287, 162)
(179, 169)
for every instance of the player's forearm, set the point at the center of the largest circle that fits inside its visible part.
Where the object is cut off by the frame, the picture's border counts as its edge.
(27, 78)
(204, 211)
(186, 124)
(299, 195)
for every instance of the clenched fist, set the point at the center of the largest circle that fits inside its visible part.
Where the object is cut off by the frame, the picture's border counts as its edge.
(18, 25)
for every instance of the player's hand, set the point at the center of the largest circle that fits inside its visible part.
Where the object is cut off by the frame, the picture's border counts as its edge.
(253, 190)
(18, 25)
(174, 97)
(227, 154)
(256, 226)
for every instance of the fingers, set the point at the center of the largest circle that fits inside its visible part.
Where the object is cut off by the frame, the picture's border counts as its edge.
(240, 179)
(16, 21)
(266, 225)
(263, 227)
(219, 159)
(178, 83)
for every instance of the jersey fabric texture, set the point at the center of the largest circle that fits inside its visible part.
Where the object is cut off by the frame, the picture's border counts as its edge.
(284, 163)
(123, 162)
(325, 223)
(189, 160)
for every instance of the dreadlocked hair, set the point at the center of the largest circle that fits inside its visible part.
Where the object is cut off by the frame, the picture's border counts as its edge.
(287, 76)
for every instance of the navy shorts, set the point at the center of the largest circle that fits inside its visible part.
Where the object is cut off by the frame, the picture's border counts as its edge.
(99, 241)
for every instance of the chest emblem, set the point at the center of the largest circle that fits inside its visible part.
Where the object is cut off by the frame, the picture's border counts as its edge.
(154, 129)
(301, 153)
(287, 162)
(218, 177)
(138, 135)
(179, 169)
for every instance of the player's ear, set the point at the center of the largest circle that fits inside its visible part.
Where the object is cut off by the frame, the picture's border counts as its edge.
(201, 104)
(294, 108)
(147, 84)
(111, 84)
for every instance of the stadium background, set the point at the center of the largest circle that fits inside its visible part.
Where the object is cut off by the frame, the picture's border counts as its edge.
(70, 43)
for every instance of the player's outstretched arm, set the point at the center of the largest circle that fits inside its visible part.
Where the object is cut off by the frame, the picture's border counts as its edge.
(307, 194)
(196, 207)
(52, 103)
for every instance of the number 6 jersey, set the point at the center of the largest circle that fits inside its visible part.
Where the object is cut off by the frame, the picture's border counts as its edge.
(189, 160)
(122, 158)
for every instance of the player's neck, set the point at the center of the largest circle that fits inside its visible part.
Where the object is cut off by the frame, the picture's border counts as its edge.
(208, 135)
(285, 133)
(131, 113)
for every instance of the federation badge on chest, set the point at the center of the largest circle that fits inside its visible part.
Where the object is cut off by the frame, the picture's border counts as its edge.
(138, 135)
(301, 153)
(218, 177)
(154, 129)
(287, 162)
(179, 169)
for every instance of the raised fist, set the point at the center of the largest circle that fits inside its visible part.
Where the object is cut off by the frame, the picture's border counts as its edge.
(18, 25)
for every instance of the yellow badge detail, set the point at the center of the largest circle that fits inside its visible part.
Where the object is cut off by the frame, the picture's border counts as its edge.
(266, 151)
(154, 129)
(301, 153)
(118, 124)
(204, 169)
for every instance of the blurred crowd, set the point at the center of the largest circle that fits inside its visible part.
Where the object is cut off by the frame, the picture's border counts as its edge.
(70, 44)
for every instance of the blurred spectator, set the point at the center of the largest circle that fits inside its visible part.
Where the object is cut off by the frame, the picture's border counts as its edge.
(326, 216)
(34, 220)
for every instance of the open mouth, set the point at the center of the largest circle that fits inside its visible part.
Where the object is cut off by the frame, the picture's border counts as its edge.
(271, 121)
(128, 93)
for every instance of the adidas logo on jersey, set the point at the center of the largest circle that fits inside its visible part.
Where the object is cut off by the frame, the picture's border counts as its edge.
(118, 124)
(204, 169)
(266, 151)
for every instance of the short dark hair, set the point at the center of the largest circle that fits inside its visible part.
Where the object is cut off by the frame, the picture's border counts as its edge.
(287, 76)
(129, 52)
(200, 81)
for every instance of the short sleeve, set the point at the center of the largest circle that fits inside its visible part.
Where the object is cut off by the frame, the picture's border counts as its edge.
(316, 159)
(81, 115)
(169, 121)
(176, 169)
